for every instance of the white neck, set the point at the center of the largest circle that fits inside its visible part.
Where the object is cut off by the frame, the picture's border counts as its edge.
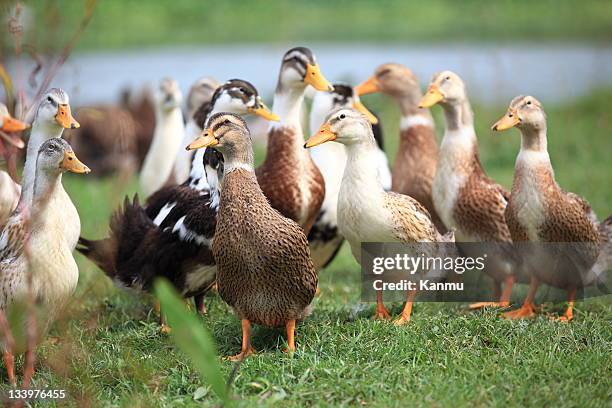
(39, 134)
(288, 106)
(410, 121)
(182, 162)
(45, 187)
(534, 151)
(361, 171)
(235, 165)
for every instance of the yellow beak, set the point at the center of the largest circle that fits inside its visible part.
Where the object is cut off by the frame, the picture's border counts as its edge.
(206, 139)
(324, 134)
(264, 112)
(510, 120)
(315, 78)
(369, 86)
(72, 164)
(361, 108)
(431, 97)
(64, 117)
(10, 124)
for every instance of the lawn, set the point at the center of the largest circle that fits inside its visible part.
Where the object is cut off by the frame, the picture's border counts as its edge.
(108, 350)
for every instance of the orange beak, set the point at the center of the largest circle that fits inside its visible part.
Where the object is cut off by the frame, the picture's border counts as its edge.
(324, 134)
(431, 97)
(315, 78)
(206, 139)
(509, 120)
(357, 105)
(10, 124)
(72, 164)
(369, 86)
(64, 117)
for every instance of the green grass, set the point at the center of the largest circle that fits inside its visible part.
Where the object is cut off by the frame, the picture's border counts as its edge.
(110, 351)
(130, 23)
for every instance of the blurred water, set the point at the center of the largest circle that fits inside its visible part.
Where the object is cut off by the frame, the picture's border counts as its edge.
(558, 72)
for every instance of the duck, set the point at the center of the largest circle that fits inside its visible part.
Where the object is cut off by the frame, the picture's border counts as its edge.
(34, 244)
(169, 130)
(264, 269)
(324, 238)
(171, 235)
(9, 189)
(466, 199)
(366, 212)
(288, 176)
(417, 154)
(540, 211)
(200, 93)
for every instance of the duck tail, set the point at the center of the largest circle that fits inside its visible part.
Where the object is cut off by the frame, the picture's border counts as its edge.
(129, 226)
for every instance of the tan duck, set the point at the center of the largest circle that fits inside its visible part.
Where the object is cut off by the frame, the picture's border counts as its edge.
(468, 201)
(35, 241)
(417, 154)
(540, 211)
(366, 212)
(264, 270)
(288, 176)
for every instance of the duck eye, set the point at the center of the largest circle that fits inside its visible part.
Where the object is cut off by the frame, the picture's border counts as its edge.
(342, 116)
(49, 99)
(226, 122)
(447, 78)
(528, 102)
(242, 90)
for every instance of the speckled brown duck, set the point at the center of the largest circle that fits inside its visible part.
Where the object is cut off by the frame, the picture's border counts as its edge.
(417, 154)
(288, 176)
(468, 201)
(366, 212)
(540, 211)
(264, 269)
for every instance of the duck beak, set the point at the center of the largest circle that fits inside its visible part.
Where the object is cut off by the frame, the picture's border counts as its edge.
(206, 139)
(369, 86)
(264, 112)
(315, 78)
(72, 164)
(324, 134)
(432, 97)
(509, 120)
(361, 108)
(10, 124)
(64, 117)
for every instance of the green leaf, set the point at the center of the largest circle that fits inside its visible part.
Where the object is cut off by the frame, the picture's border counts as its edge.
(191, 337)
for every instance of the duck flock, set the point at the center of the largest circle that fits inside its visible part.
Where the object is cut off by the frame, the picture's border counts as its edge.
(260, 235)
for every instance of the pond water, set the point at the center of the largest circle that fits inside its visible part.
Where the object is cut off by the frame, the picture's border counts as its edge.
(494, 74)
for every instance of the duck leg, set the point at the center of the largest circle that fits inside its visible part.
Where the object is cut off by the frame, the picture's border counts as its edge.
(247, 349)
(7, 353)
(200, 305)
(528, 309)
(381, 311)
(290, 326)
(569, 312)
(407, 311)
(504, 295)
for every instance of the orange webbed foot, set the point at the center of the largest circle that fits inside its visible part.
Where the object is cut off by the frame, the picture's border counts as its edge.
(165, 329)
(524, 312)
(242, 355)
(482, 305)
(402, 320)
(382, 314)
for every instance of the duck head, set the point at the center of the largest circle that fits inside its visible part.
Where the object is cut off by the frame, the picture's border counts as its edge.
(54, 110)
(168, 96)
(200, 92)
(394, 80)
(524, 112)
(300, 69)
(342, 96)
(346, 126)
(55, 156)
(445, 88)
(240, 97)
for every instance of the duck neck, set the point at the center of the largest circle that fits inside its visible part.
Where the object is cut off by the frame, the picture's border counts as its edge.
(197, 172)
(45, 186)
(239, 160)
(360, 172)
(534, 139)
(39, 134)
(288, 106)
(458, 115)
(533, 156)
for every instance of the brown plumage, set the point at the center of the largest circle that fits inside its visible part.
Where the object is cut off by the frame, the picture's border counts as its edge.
(264, 270)
(540, 211)
(417, 154)
(289, 178)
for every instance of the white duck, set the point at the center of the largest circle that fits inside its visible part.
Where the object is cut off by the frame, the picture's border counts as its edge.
(366, 212)
(34, 240)
(169, 131)
(324, 238)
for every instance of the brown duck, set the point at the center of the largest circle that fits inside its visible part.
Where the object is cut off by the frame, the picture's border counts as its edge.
(540, 211)
(288, 176)
(417, 155)
(468, 201)
(264, 269)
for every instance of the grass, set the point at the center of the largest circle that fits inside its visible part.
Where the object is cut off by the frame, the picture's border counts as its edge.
(129, 24)
(109, 351)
